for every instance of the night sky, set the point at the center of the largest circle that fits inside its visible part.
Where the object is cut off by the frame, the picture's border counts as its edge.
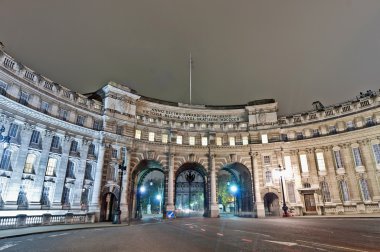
(294, 51)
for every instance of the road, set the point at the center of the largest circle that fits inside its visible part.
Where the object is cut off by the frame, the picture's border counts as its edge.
(205, 234)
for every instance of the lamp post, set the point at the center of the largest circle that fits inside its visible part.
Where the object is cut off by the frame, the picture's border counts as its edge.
(117, 219)
(284, 207)
(234, 189)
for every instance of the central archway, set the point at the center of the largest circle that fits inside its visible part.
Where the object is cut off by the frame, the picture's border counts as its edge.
(190, 190)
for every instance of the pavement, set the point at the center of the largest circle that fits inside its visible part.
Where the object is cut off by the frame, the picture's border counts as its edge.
(10, 233)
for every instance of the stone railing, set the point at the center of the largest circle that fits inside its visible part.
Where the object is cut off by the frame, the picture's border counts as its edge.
(23, 220)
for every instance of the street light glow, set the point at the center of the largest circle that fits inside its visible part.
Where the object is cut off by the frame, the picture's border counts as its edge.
(158, 196)
(233, 188)
(142, 189)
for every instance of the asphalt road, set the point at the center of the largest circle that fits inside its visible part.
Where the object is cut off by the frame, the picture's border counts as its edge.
(205, 234)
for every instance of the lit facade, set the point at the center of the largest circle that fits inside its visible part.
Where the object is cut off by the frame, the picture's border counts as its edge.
(64, 151)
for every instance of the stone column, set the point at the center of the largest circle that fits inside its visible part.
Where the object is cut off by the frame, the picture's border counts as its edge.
(96, 194)
(370, 165)
(18, 167)
(41, 169)
(260, 210)
(124, 193)
(349, 166)
(331, 175)
(79, 175)
(214, 209)
(170, 203)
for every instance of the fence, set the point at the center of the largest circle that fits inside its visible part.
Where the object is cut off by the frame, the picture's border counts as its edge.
(23, 220)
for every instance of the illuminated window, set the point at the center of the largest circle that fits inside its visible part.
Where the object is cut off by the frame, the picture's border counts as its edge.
(164, 138)
(245, 140)
(151, 136)
(264, 138)
(304, 165)
(232, 141)
(179, 140)
(218, 141)
(191, 125)
(203, 125)
(30, 159)
(204, 141)
(138, 134)
(151, 120)
(288, 163)
(321, 161)
(52, 164)
(191, 140)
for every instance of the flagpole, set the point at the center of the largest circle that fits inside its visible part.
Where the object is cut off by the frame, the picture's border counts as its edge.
(190, 65)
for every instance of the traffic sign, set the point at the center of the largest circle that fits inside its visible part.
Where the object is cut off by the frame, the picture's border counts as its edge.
(170, 214)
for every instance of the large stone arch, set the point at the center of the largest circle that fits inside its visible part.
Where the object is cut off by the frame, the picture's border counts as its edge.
(109, 200)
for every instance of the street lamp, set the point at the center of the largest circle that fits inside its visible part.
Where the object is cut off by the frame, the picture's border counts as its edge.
(234, 190)
(117, 219)
(284, 207)
(158, 197)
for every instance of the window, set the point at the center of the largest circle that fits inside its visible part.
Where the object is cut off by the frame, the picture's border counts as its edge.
(321, 161)
(344, 190)
(357, 157)
(203, 126)
(218, 141)
(151, 120)
(13, 130)
(74, 146)
(66, 196)
(55, 142)
(284, 137)
(316, 133)
(304, 165)
(266, 160)
(164, 138)
(204, 141)
(376, 152)
(291, 194)
(97, 125)
(288, 163)
(151, 136)
(30, 159)
(299, 136)
(191, 125)
(88, 172)
(3, 88)
(114, 153)
(338, 159)
(164, 122)
(179, 140)
(245, 140)
(63, 114)
(119, 130)
(80, 120)
(232, 141)
(325, 192)
(191, 140)
(5, 163)
(332, 130)
(268, 177)
(306, 185)
(369, 122)
(364, 189)
(264, 138)
(138, 134)
(24, 98)
(230, 126)
(350, 125)
(35, 139)
(50, 169)
(91, 149)
(70, 169)
(45, 107)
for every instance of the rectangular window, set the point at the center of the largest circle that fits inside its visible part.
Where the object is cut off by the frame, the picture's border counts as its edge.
(364, 189)
(325, 192)
(35, 137)
(191, 140)
(63, 114)
(350, 125)
(119, 130)
(55, 142)
(88, 172)
(357, 157)
(204, 141)
(191, 125)
(232, 141)
(80, 120)
(5, 163)
(24, 98)
(245, 140)
(13, 130)
(3, 88)
(299, 136)
(266, 160)
(74, 146)
(179, 139)
(264, 138)
(369, 122)
(268, 177)
(45, 107)
(316, 133)
(30, 159)
(114, 153)
(97, 125)
(151, 136)
(218, 141)
(52, 164)
(138, 134)
(288, 163)
(344, 190)
(164, 138)
(332, 130)
(338, 159)
(291, 194)
(321, 161)
(376, 152)
(304, 165)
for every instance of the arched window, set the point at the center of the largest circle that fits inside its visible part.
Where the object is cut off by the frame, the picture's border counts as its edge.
(5, 163)
(70, 169)
(364, 189)
(30, 159)
(268, 177)
(325, 192)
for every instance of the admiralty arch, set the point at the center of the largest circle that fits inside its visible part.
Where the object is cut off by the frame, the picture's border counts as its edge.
(65, 153)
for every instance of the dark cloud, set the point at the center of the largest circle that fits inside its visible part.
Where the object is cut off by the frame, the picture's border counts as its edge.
(293, 51)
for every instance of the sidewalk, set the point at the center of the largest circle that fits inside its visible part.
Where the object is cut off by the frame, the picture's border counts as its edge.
(373, 215)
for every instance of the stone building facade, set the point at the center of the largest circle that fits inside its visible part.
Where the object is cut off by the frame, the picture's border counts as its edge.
(61, 151)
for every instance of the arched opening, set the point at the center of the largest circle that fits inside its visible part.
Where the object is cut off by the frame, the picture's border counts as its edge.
(109, 206)
(190, 190)
(149, 190)
(271, 205)
(235, 194)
